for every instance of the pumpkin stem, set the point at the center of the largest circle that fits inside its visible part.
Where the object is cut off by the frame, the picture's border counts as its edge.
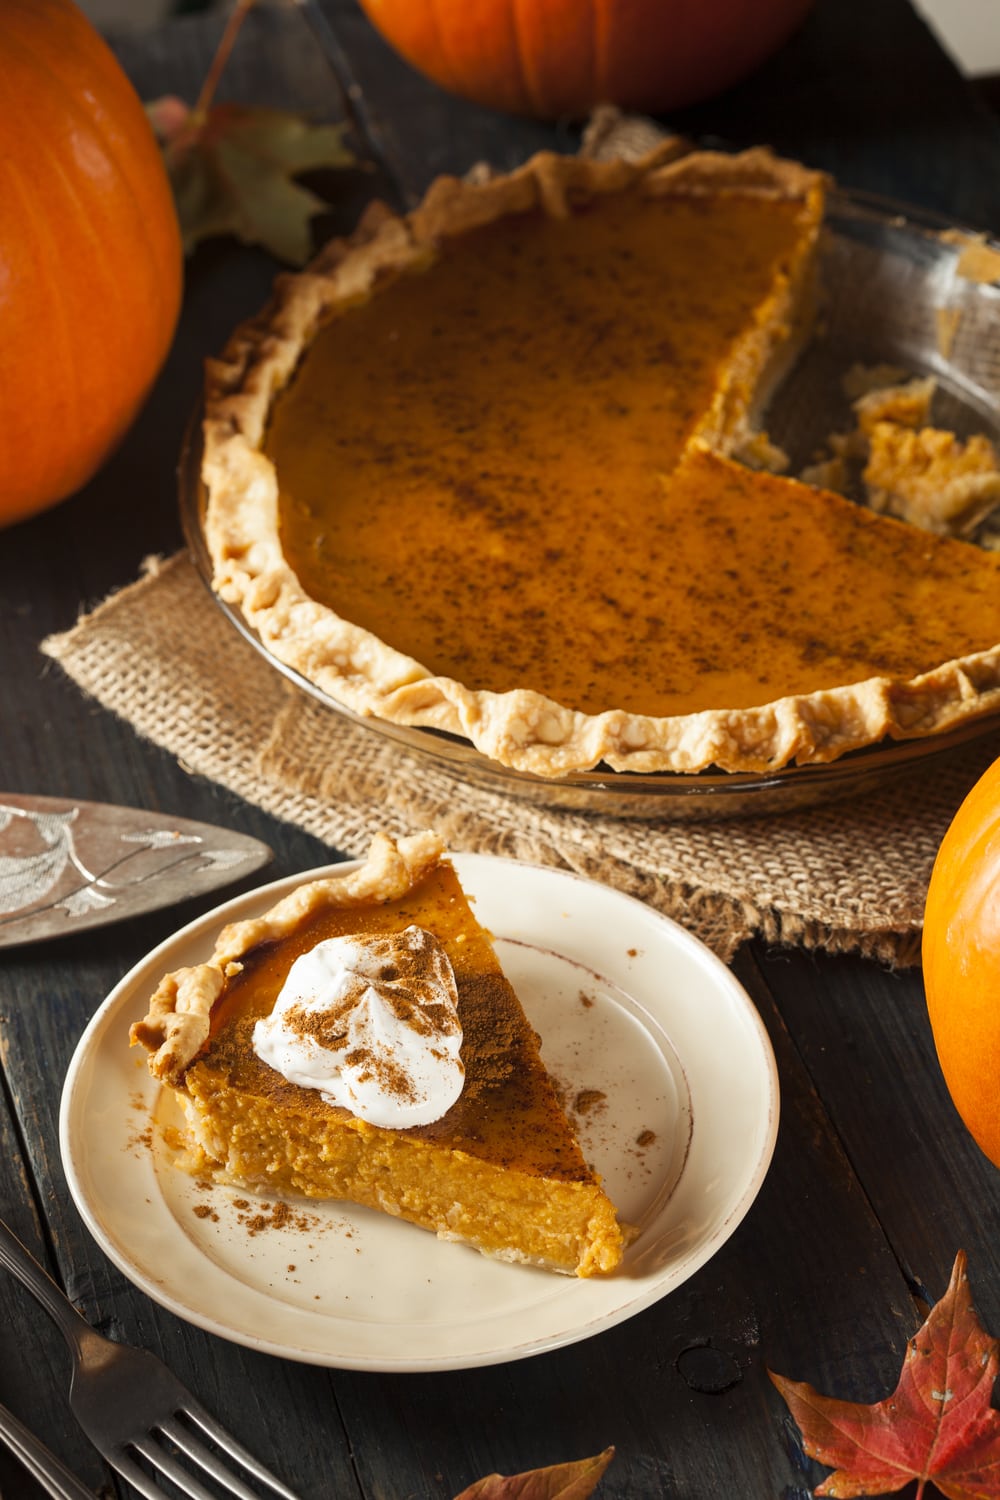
(236, 18)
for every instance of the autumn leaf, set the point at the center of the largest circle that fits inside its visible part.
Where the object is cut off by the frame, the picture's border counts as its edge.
(572, 1481)
(937, 1427)
(232, 166)
(232, 173)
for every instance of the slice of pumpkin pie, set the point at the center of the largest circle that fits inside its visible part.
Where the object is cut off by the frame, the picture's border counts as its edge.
(360, 1042)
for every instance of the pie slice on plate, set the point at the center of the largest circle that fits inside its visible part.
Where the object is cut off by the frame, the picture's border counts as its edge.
(397, 1008)
(495, 468)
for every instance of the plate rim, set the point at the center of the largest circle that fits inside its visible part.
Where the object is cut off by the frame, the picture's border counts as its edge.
(646, 1292)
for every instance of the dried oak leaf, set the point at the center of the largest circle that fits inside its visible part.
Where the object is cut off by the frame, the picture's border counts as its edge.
(231, 167)
(572, 1481)
(937, 1427)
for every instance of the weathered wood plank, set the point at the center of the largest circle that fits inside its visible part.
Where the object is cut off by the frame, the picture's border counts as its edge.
(864, 1038)
(34, 1360)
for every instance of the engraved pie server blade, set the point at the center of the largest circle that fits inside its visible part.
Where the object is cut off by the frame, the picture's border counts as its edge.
(67, 865)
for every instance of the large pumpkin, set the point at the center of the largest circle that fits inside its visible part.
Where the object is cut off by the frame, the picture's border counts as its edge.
(561, 57)
(961, 960)
(90, 254)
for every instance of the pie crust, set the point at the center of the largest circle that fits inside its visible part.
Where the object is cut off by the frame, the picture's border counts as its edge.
(948, 673)
(501, 1170)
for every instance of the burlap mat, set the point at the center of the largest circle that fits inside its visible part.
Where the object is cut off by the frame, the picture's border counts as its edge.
(848, 875)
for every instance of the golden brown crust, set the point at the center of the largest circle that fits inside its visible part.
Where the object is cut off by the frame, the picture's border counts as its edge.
(522, 728)
(176, 1026)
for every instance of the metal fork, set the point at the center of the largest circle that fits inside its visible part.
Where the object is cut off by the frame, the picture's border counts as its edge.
(50, 1471)
(130, 1405)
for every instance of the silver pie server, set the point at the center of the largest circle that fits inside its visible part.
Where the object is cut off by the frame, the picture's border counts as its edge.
(67, 865)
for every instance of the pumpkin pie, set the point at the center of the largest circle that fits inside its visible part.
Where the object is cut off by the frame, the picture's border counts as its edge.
(500, 1169)
(496, 468)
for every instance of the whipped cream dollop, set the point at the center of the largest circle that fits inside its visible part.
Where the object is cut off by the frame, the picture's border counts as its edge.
(372, 1022)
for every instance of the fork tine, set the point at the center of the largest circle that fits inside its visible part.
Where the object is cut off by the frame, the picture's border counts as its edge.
(137, 1478)
(165, 1463)
(195, 1412)
(188, 1442)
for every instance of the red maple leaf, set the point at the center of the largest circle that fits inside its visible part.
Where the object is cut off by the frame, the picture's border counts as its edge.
(937, 1427)
(571, 1481)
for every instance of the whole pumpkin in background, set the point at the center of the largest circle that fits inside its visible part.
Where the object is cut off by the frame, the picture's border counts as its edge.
(90, 254)
(550, 58)
(961, 960)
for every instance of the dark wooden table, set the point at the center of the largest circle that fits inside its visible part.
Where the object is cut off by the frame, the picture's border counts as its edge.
(874, 1186)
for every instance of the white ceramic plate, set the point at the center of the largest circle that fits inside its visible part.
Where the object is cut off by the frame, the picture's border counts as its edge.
(668, 1071)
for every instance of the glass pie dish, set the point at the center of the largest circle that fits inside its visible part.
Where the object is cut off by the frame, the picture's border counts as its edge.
(901, 288)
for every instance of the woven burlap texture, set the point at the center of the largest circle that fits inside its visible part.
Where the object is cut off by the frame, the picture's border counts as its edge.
(851, 875)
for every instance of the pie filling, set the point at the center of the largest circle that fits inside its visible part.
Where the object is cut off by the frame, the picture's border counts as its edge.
(475, 463)
(501, 1169)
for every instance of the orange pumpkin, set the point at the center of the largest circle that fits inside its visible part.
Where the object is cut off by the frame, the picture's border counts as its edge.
(90, 254)
(561, 57)
(961, 960)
